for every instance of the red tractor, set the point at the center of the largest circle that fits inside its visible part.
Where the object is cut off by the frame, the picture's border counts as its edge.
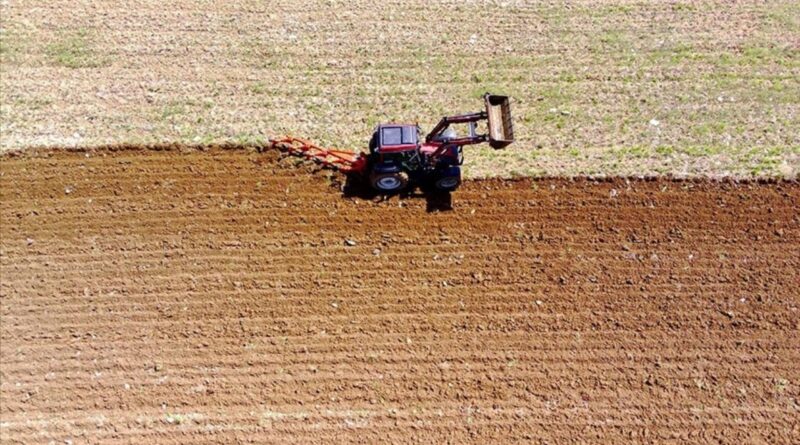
(398, 156)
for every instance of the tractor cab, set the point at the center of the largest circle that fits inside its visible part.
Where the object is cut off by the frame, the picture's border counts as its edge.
(393, 152)
(394, 138)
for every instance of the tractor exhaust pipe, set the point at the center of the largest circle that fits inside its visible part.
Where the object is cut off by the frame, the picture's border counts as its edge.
(498, 113)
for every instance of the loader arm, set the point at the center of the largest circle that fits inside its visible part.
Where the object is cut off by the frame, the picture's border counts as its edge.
(498, 116)
(446, 121)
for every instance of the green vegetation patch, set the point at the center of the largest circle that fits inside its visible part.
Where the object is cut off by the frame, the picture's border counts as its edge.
(75, 51)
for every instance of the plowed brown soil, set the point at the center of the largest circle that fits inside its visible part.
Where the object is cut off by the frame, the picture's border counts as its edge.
(225, 297)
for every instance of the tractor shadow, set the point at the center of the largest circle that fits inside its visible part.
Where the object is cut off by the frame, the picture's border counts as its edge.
(435, 200)
(438, 201)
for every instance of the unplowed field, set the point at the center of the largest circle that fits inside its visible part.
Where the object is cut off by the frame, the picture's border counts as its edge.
(226, 296)
(614, 87)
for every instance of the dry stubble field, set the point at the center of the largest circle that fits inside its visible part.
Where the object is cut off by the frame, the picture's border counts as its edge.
(600, 87)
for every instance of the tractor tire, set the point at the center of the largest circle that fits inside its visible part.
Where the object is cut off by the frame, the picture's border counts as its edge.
(447, 179)
(389, 182)
(447, 183)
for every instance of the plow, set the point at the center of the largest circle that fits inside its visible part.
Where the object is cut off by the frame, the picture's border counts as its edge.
(399, 157)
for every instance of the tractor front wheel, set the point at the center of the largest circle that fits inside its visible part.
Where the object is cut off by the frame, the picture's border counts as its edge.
(389, 182)
(447, 179)
(447, 183)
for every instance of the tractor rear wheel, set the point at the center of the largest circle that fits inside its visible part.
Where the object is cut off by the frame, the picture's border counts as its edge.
(389, 182)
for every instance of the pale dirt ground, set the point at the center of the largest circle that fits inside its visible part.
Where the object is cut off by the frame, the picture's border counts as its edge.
(599, 87)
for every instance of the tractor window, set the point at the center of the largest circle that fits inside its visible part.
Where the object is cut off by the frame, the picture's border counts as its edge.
(392, 136)
(398, 135)
(409, 135)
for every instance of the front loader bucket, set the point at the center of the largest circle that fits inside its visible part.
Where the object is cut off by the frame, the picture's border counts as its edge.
(498, 112)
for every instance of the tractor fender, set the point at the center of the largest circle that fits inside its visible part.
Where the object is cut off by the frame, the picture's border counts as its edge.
(450, 170)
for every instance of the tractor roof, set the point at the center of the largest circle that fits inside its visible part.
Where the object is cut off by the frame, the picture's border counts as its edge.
(397, 137)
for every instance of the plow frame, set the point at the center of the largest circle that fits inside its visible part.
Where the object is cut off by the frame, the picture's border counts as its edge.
(342, 160)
